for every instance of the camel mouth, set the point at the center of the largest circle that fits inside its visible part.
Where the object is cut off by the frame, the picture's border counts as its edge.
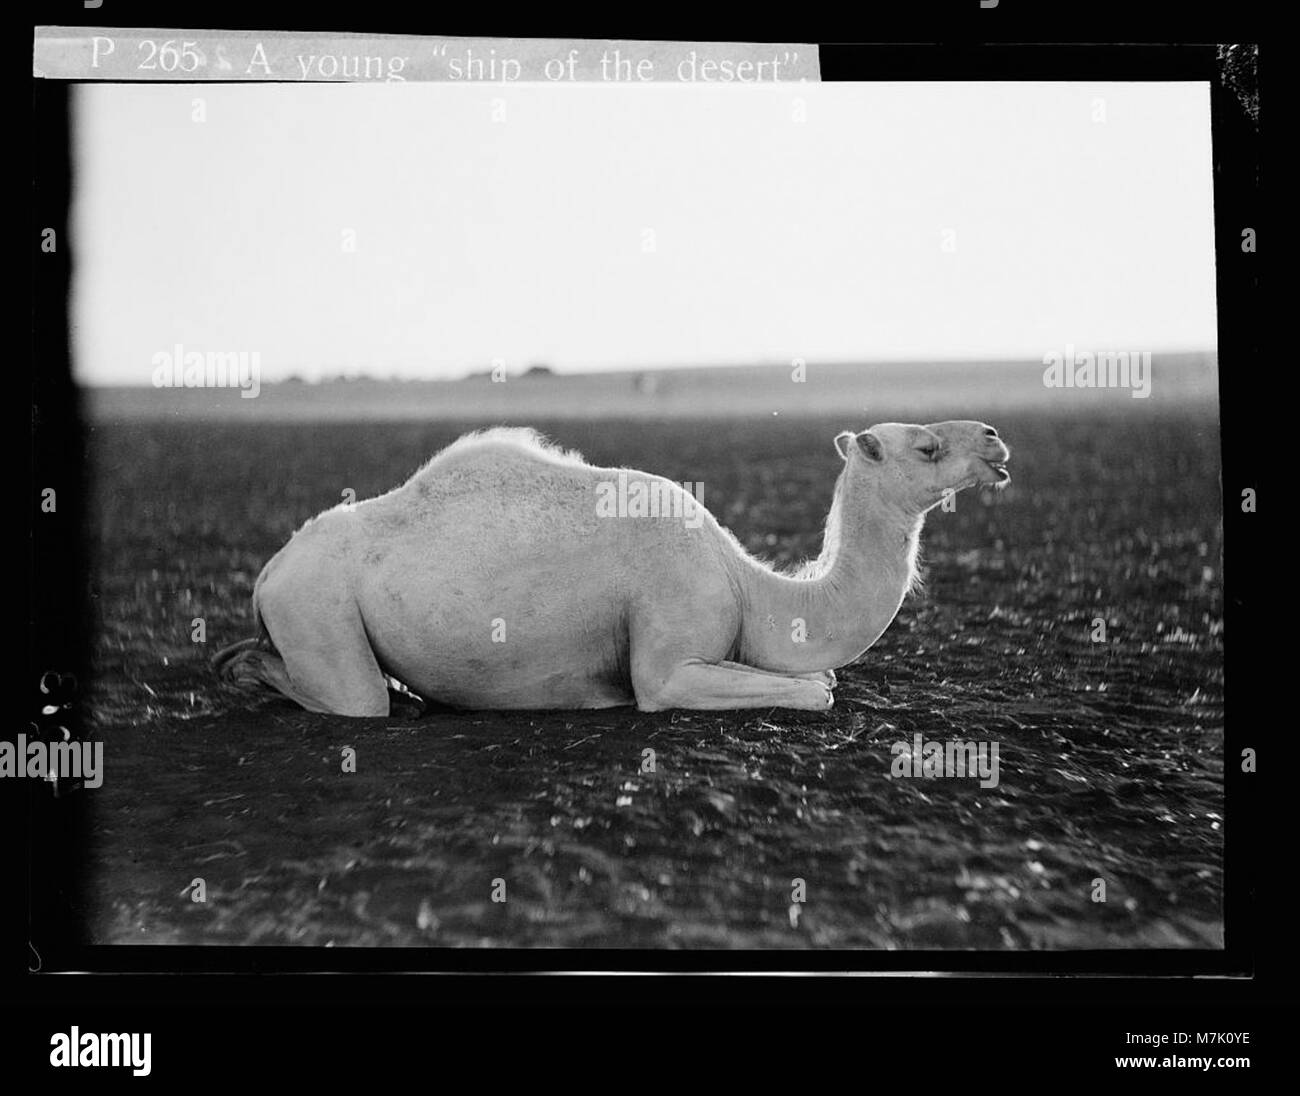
(999, 469)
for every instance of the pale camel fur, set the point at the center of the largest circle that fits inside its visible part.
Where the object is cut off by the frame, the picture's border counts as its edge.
(493, 578)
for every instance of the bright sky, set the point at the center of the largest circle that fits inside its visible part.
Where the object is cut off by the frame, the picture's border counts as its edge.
(898, 221)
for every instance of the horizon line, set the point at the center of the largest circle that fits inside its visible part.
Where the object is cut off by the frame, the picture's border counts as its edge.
(291, 375)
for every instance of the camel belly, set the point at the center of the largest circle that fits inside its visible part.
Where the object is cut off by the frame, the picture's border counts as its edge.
(521, 641)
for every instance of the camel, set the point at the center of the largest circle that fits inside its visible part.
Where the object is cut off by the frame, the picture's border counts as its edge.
(493, 579)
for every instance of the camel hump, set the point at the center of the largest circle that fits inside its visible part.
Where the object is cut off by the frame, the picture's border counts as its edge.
(503, 442)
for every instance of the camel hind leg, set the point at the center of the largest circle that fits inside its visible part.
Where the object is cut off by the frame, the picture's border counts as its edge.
(258, 668)
(328, 664)
(254, 667)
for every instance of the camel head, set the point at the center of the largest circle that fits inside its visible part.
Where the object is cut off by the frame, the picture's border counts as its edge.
(916, 466)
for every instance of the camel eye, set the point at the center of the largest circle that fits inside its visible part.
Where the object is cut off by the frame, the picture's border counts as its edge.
(930, 452)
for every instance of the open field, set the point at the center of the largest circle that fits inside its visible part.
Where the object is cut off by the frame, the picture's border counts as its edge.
(996, 387)
(1110, 753)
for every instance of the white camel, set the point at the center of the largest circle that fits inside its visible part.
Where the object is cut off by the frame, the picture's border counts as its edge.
(495, 578)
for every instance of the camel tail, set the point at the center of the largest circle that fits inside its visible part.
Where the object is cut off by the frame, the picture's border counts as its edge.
(223, 661)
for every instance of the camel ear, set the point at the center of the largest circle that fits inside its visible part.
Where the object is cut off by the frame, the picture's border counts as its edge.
(870, 445)
(842, 440)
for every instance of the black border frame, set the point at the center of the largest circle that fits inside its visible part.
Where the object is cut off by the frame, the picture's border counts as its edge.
(57, 605)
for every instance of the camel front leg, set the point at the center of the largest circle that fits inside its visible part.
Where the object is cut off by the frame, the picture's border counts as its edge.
(826, 677)
(715, 686)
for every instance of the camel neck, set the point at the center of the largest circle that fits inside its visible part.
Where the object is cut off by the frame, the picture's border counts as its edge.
(836, 607)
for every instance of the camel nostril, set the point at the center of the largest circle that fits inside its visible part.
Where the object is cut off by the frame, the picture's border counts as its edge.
(990, 432)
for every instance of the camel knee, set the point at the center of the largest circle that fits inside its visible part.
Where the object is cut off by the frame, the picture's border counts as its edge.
(258, 669)
(368, 708)
(658, 702)
(660, 691)
(655, 698)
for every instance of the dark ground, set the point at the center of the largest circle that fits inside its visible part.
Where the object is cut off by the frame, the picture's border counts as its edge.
(1111, 754)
